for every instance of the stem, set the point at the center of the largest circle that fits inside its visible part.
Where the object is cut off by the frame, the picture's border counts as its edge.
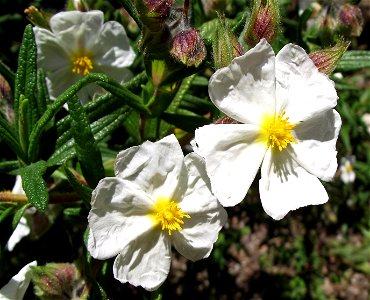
(9, 197)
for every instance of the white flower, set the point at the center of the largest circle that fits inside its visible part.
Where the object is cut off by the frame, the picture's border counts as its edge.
(17, 286)
(79, 43)
(347, 175)
(157, 199)
(288, 126)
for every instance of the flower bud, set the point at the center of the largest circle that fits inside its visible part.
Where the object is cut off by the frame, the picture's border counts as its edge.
(350, 20)
(56, 279)
(263, 23)
(37, 17)
(6, 102)
(225, 44)
(226, 120)
(188, 47)
(80, 5)
(327, 59)
(153, 13)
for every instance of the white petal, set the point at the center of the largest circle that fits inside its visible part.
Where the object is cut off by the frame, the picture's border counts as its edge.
(207, 216)
(232, 156)
(246, 89)
(145, 261)
(22, 230)
(112, 46)
(118, 215)
(154, 167)
(315, 150)
(51, 53)
(59, 81)
(17, 286)
(301, 90)
(77, 30)
(17, 188)
(286, 186)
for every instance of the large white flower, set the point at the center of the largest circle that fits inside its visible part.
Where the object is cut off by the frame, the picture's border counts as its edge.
(79, 43)
(288, 125)
(17, 286)
(157, 199)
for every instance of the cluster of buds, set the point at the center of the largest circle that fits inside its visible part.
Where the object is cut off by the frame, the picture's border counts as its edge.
(57, 281)
(350, 20)
(263, 23)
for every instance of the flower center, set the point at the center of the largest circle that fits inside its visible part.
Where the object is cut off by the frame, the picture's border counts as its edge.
(168, 214)
(348, 167)
(276, 131)
(82, 64)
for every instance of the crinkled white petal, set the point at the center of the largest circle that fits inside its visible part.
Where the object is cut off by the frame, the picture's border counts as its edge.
(286, 186)
(153, 167)
(315, 150)
(77, 30)
(207, 216)
(145, 261)
(52, 54)
(59, 81)
(301, 90)
(232, 156)
(112, 46)
(17, 286)
(22, 230)
(17, 188)
(118, 215)
(246, 88)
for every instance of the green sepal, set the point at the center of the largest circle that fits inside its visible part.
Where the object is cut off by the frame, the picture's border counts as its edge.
(8, 135)
(19, 214)
(82, 190)
(353, 60)
(34, 184)
(87, 151)
(26, 77)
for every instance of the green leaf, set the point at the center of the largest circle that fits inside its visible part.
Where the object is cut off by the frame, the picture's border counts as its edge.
(131, 9)
(24, 122)
(10, 165)
(34, 185)
(87, 152)
(8, 135)
(19, 214)
(26, 78)
(353, 60)
(185, 120)
(5, 213)
(82, 190)
(42, 92)
(132, 126)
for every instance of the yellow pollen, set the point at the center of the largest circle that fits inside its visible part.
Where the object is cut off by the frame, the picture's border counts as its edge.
(276, 131)
(82, 64)
(348, 167)
(167, 214)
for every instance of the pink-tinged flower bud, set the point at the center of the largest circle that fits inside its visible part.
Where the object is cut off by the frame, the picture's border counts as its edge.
(350, 20)
(37, 17)
(56, 279)
(327, 59)
(188, 47)
(225, 44)
(153, 13)
(263, 23)
(6, 102)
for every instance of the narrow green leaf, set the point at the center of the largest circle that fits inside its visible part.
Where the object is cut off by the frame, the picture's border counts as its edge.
(42, 92)
(132, 126)
(353, 60)
(87, 152)
(131, 9)
(10, 165)
(24, 122)
(188, 122)
(5, 213)
(82, 190)
(34, 185)
(19, 214)
(8, 135)
(26, 77)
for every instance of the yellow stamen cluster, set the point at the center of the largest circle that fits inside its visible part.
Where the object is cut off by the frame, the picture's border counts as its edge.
(168, 214)
(82, 64)
(348, 167)
(277, 131)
